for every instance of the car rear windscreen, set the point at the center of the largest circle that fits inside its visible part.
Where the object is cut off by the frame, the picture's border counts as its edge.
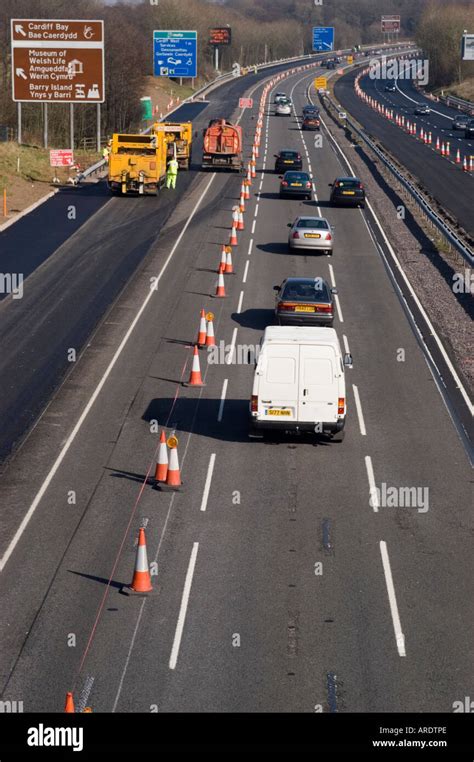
(313, 224)
(313, 291)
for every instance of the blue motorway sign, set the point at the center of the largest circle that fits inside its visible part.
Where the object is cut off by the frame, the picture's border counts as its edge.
(174, 53)
(323, 38)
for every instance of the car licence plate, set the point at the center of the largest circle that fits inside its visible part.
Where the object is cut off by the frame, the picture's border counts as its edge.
(304, 308)
(312, 235)
(348, 193)
(278, 411)
(287, 161)
(296, 185)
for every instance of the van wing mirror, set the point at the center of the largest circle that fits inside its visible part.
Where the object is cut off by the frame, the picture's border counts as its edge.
(348, 360)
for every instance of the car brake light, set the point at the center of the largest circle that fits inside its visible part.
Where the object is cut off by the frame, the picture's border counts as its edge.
(254, 403)
(340, 406)
(286, 307)
(328, 237)
(308, 185)
(284, 183)
(298, 157)
(295, 234)
(323, 308)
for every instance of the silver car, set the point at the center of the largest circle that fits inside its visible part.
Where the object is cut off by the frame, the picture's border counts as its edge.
(283, 109)
(311, 233)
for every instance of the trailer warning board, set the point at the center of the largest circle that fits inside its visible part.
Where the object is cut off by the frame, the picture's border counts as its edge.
(57, 60)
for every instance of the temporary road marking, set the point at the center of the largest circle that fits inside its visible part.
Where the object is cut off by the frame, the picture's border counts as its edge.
(222, 402)
(184, 606)
(210, 471)
(399, 636)
(373, 490)
(360, 415)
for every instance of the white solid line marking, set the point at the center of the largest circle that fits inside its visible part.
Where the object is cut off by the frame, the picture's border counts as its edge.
(250, 247)
(183, 608)
(399, 636)
(338, 307)
(253, 226)
(210, 471)
(359, 410)
(232, 345)
(222, 403)
(373, 490)
(244, 279)
(97, 390)
(241, 298)
(331, 273)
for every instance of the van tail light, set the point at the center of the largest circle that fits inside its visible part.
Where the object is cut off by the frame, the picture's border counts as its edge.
(286, 307)
(328, 237)
(254, 403)
(340, 406)
(295, 234)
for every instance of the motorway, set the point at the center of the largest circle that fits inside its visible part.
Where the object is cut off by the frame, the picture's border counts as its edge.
(242, 619)
(441, 177)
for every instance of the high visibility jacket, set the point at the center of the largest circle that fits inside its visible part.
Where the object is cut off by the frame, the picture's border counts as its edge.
(173, 167)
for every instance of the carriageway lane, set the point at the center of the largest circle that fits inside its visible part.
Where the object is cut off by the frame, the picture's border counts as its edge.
(448, 184)
(250, 554)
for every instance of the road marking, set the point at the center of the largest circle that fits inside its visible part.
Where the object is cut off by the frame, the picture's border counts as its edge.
(244, 279)
(210, 471)
(338, 307)
(98, 389)
(346, 344)
(250, 247)
(241, 298)
(399, 636)
(232, 345)
(360, 414)
(253, 226)
(373, 490)
(258, 204)
(184, 606)
(222, 402)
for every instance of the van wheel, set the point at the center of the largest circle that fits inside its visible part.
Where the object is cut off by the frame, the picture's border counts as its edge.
(339, 436)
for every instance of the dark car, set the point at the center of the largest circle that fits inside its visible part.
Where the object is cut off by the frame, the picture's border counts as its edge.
(287, 160)
(331, 64)
(296, 184)
(348, 191)
(309, 110)
(304, 301)
(469, 131)
(421, 109)
(390, 88)
(311, 122)
(460, 122)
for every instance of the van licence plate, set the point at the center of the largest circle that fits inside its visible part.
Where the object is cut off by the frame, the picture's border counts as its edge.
(312, 235)
(348, 193)
(278, 411)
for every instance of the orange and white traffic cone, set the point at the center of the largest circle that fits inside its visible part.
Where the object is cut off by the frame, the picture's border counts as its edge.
(458, 156)
(438, 146)
(141, 582)
(242, 202)
(240, 223)
(235, 216)
(173, 480)
(223, 257)
(249, 174)
(448, 148)
(233, 236)
(464, 165)
(247, 191)
(161, 469)
(471, 163)
(253, 173)
(228, 269)
(220, 290)
(202, 333)
(69, 706)
(443, 150)
(195, 378)
(210, 337)
(430, 138)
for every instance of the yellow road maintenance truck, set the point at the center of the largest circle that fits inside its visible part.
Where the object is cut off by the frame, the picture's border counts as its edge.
(137, 163)
(179, 138)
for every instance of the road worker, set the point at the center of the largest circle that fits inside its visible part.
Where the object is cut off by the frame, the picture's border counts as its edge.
(105, 153)
(172, 173)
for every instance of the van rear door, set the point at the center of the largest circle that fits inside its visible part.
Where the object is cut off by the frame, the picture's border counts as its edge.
(278, 387)
(318, 384)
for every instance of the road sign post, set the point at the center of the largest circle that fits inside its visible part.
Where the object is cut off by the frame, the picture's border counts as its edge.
(174, 53)
(57, 61)
(323, 38)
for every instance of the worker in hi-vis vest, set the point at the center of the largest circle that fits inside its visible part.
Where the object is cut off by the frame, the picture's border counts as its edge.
(172, 173)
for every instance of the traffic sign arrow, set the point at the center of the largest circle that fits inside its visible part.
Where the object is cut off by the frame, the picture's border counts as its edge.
(21, 73)
(19, 29)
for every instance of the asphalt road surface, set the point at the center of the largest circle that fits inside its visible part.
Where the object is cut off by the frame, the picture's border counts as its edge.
(446, 181)
(279, 586)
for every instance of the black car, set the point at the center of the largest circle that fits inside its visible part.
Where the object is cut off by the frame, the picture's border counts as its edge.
(296, 184)
(348, 191)
(460, 122)
(304, 301)
(287, 160)
(469, 131)
(421, 109)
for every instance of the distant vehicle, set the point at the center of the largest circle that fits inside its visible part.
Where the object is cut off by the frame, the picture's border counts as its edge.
(311, 233)
(390, 88)
(348, 191)
(324, 62)
(421, 109)
(279, 96)
(460, 122)
(304, 301)
(288, 160)
(296, 184)
(283, 108)
(309, 109)
(469, 131)
(299, 381)
(331, 64)
(222, 145)
(311, 122)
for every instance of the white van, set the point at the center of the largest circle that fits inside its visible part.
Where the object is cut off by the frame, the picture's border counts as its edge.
(299, 382)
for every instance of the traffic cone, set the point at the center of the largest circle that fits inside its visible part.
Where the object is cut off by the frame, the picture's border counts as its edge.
(464, 165)
(220, 290)
(240, 223)
(233, 236)
(458, 156)
(422, 134)
(210, 337)
(235, 215)
(247, 191)
(242, 189)
(223, 257)
(430, 138)
(242, 202)
(69, 706)
(253, 173)
(443, 150)
(437, 143)
(141, 582)
(471, 163)
(195, 378)
(173, 479)
(161, 469)
(448, 148)
(228, 269)
(201, 339)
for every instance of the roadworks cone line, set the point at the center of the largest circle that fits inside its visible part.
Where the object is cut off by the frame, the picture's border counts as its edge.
(141, 582)
(161, 469)
(202, 333)
(210, 337)
(195, 378)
